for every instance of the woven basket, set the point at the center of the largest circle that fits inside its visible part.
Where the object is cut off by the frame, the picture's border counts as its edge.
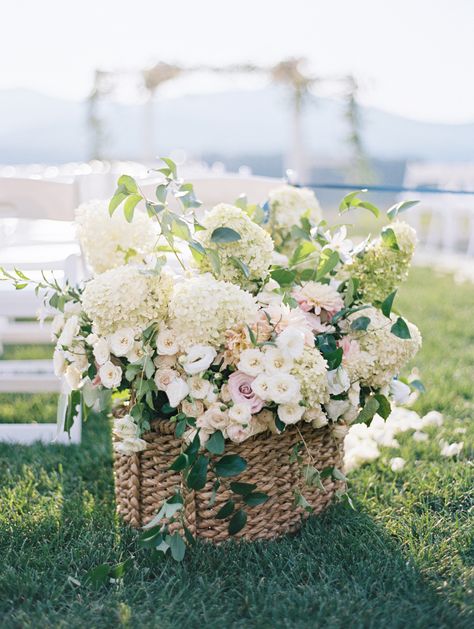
(143, 481)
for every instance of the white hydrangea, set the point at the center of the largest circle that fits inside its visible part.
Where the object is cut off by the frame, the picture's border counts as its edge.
(126, 297)
(110, 241)
(202, 309)
(388, 353)
(406, 236)
(310, 370)
(288, 204)
(254, 249)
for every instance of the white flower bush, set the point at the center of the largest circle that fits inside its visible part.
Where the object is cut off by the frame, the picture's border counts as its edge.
(242, 260)
(240, 343)
(120, 241)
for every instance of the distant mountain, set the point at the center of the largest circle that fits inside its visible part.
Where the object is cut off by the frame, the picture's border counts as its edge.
(39, 128)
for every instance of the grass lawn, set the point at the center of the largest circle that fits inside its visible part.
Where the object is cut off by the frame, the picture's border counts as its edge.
(404, 558)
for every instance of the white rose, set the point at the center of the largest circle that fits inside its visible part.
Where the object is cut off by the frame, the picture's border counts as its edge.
(164, 377)
(163, 362)
(136, 353)
(125, 427)
(276, 361)
(198, 359)
(198, 387)
(240, 413)
(214, 418)
(251, 362)
(338, 381)
(71, 328)
(166, 342)
(130, 445)
(73, 377)
(290, 413)
(399, 391)
(291, 342)
(110, 375)
(316, 416)
(211, 397)
(101, 351)
(122, 341)
(261, 386)
(176, 391)
(91, 339)
(284, 388)
(59, 363)
(237, 433)
(192, 409)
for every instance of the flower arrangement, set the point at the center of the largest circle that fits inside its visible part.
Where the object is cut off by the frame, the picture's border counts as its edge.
(234, 345)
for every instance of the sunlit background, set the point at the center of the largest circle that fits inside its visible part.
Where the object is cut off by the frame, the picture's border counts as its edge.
(323, 88)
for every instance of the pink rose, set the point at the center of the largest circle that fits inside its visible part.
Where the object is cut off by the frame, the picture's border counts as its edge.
(240, 388)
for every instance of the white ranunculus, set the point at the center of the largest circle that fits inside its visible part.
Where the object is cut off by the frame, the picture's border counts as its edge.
(101, 351)
(198, 387)
(136, 353)
(397, 464)
(338, 381)
(291, 342)
(237, 433)
(399, 391)
(176, 391)
(290, 413)
(276, 361)
(167, 342)
(284, 388)
(122, 341)
(125, 427)
(198, 359)
(130, 445)
(56, 325)
(164, 377)
(70, 329)
(251, 362)
(73, 377)
(110, 375)
(59, 363)
(337, 408)
(261, 386)
(240, 413)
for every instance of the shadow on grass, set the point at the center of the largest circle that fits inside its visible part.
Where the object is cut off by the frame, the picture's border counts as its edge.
(57, 521)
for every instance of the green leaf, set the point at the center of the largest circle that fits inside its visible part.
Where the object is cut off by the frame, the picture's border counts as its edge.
(384, 408)
(396, 209)
(369, 410)
(216, 444)
(237, 522)
(230, 465)
(224, 235)
(418, 385)
(171, 165)
(390, 239)
(180, 463)
(300, 501)
(338, 475)
(388, 303)
(242, 488)
(99, 575)
(214, 261)
(361, 323)
(161, 193)
(400, 329)
(129, 206)
(226, 510)
(118, 571)
(197, 476)
(180, 229)
(284, 277)
(128, 183)
(351, 200)
(302, 251)
(327, 264)
(116, 200)
(334, 359)
(352, 286)
(256, 498)
(177, 546)
(241, 266)
(241, 202)
(180, 428)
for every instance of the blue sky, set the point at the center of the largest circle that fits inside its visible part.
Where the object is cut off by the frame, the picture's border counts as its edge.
(412, 57)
